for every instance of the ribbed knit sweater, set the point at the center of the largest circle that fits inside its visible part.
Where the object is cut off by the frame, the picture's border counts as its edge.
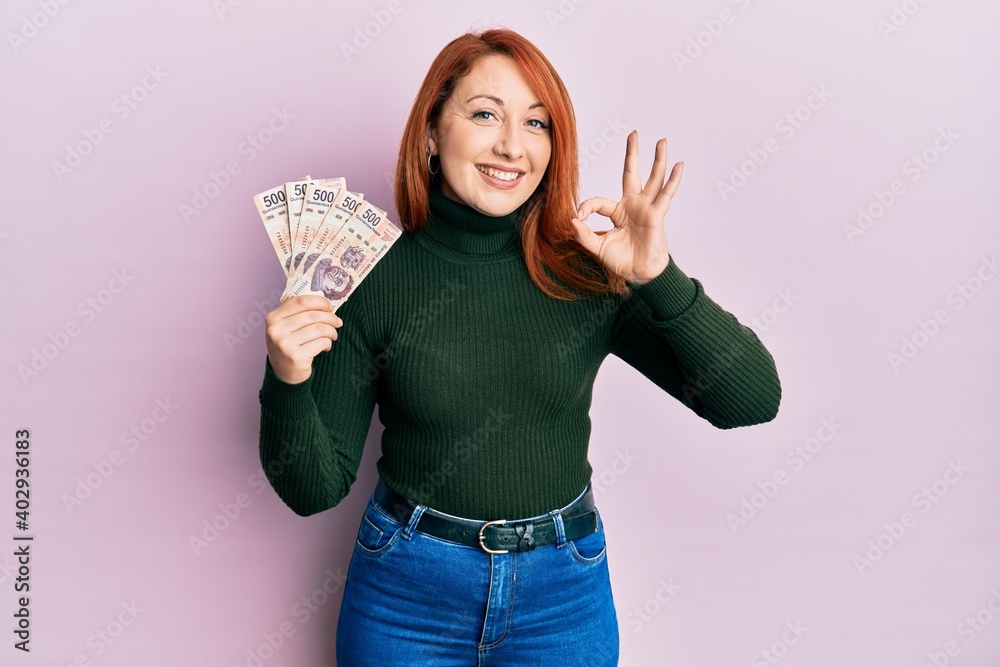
(484, 383)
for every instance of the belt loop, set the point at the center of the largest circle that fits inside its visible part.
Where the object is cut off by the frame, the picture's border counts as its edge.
(557, 521)
(411, 524)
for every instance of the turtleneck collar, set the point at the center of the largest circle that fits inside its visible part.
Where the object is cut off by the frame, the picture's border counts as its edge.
(467, 234)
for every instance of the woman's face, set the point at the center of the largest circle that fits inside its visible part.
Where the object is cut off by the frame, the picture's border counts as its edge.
(492, 138)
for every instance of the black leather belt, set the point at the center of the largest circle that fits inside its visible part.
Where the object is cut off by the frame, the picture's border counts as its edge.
(498, 536)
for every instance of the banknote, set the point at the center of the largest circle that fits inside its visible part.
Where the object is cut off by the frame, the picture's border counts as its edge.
(343, 207)
(348, 247)
(320, 197)
(348, 258)
(295, 194)
(272, 206)
(326, 237)
(325, 277)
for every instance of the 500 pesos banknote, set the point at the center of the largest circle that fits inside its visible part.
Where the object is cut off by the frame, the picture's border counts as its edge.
(344, 206)
(348, 248)
(272, 206)
(336, 240)
(324, 280)
(321, 211)
(319, 195)
(335, 272)
(295, 194)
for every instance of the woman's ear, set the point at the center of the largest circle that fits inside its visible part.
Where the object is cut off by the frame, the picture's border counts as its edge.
(432, 139)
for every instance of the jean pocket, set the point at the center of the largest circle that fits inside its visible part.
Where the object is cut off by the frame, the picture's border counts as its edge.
(590, 549)
(378, 533)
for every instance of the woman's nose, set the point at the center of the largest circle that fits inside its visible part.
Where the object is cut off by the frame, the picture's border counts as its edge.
(509, 143)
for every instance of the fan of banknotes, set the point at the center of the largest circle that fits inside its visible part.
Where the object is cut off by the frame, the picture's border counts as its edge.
(326, 237)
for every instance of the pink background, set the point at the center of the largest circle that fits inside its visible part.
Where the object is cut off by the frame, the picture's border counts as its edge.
(774, 252)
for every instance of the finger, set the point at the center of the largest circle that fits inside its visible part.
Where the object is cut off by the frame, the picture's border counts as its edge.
(655, 182)
(302, 302)
(631, 184)
(313, 348)
(313, 332)
(303, 320)
(586, 236)
(313, 302)
(667, 193)
(600, 205)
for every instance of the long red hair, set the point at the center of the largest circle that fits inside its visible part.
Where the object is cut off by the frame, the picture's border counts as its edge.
(547, 235)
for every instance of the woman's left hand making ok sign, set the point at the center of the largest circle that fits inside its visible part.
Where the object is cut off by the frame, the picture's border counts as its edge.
(636, 249)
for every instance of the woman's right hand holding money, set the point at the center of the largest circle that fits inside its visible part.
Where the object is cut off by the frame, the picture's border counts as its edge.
(297, 331)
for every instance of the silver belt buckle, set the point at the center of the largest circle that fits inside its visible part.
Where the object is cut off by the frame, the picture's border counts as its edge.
(482, 539)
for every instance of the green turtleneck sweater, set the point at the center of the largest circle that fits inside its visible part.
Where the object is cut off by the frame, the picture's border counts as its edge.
(484, 383)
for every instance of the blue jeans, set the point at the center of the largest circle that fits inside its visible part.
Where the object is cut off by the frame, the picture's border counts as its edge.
(415, 599)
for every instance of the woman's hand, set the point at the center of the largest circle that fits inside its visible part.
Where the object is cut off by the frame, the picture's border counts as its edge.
(636, 249)
(298, 330)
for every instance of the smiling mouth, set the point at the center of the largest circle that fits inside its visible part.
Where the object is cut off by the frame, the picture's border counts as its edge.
(499, 174)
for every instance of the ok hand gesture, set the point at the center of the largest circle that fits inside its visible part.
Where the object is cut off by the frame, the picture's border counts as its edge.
(636, 249)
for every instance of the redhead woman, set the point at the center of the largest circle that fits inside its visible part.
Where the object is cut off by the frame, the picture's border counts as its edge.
(479, 336)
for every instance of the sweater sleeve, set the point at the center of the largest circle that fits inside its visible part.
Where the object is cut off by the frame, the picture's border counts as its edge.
(675, 335)
(312, 433)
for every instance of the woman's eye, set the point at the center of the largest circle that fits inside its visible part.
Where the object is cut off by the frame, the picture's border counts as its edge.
(483, 114)
(540, 124)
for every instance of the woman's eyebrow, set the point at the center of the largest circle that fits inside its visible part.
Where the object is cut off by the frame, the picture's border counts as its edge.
(499, 101)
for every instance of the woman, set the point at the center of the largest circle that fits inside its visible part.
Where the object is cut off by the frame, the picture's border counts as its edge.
(479, 335)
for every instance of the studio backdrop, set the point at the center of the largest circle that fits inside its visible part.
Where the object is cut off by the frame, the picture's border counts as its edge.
(838, 198)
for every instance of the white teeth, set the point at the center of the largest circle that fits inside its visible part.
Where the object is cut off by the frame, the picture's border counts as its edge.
(496, 173)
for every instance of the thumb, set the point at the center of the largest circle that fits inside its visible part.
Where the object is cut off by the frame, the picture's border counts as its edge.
(585, 235)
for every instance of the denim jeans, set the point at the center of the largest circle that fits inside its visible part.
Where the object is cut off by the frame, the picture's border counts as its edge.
(415, 599)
